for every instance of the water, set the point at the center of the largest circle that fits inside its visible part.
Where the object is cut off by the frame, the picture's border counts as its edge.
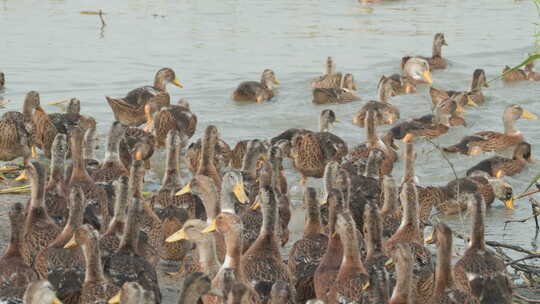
(50, 47)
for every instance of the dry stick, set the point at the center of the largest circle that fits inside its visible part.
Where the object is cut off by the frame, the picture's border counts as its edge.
(526, 299)
(532, 256)
(103, 24)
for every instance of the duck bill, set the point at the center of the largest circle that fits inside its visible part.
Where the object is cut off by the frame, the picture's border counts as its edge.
(138, 155)
(259, 99)
(212, 227)
(186, 189)
(427, 77)
(177, 83)
(72, 243)
(115, 299)
(56, 301)
(509, 203)
(337, 121)
(459, 109)
(257, 204)
(408, 138)
(276, 81)
(365, 286)
(58, 102)
(240, 193)
(177, 236)
(471, 102)
(389, 262)
(499, 174)
(528, 115)
(429, 239)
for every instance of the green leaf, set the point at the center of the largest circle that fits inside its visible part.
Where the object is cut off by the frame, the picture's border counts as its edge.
(534, 180)
(529, 59)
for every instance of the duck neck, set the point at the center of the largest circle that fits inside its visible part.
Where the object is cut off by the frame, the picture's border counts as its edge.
(437, 50)
(351, 250)
(324, 124)
(390, 199)
(383, 93)
(509, 126)
(208, 150)
(92, 256)
(330, 66)
(269, 211)
(408, 176)
(443, 273)
(119, 215)
(130, 237)
(14, 247)
(57, 168)
(88, 147)
(313, 220)
(27, 107)
(233, 244)
(210, 201)
(372, 166)
(208, 254)
(38, 190)
(476, 84)
(159, 83)
(410, 215)
(171, 179)
(112, 154)
(79, 170)
(75, 220)
(403, 289)
(226, 200)
(249, 163)
(374, 236)
(372, 139)
(477, 237)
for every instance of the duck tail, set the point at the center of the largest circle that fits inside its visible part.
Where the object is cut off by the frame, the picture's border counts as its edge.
(460, 147)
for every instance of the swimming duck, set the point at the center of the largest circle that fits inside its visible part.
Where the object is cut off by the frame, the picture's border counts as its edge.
(472, 97)
(510, 75)
(15, 274)
(96, 287)
(112, 167)
(479, 271)
(311, 151)
(324, 80)
(17, 134)
(403, 292)
(209, 155)
(126, 264)
(445, 291)
(136, 140)
(306, 253)
(262, 263)
(327, 119)
(39, 229)
(436, 61)
(257, 91)
(134, 109)
(373, 142)
(386, 112)
(95, 196)
(40, 292)
(415, 71)
(351, 275)
(409, 232)
(132, 293)
(343, 93)
(498, 166)
(488, 141)
(64, 267)
(328, 268)
(56, 192)
(173, 117)
(331, 79)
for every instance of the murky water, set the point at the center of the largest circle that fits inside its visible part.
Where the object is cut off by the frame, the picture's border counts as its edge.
(50, 47)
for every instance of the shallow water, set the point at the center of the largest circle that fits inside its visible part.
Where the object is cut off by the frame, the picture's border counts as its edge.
(50, 47)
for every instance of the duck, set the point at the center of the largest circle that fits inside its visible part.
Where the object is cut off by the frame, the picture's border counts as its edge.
(95, 196)
(205, 244)
(498, 166)
(15, 274)
(132, 110)
(230, 225)
(257, 91)
(329, 265)
(137, 140)
(91, 163)
(112, 167)
(403, 292)
(473, 97)
(40, 292)
(39, 229)
(173, 117)
(479, 271)
(352, 274)
(44, 130)
(96, 286)
(64, 267)
(18, 139)
(436, 61)
(205, 158)
(327, 119)
(409, 232)
(387, 114)
(531, 74)
(56, 191)
(488, 141)
(415, 71)
(305, 254)
(373, 142)
(343, 93)
(127, 264)
(311, 151)
(510, 75)
(132, 293)
(262, 263)
(445, 291)
(332, 79)
(239, 151)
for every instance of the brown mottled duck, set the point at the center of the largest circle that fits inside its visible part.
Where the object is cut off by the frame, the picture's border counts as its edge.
(257, 91)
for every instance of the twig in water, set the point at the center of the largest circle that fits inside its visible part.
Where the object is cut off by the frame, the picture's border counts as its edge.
(103, 24)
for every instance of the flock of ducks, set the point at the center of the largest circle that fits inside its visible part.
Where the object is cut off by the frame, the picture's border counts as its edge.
(89, 234)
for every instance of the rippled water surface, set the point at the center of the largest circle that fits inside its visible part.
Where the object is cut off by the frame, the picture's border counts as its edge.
(50, 47)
